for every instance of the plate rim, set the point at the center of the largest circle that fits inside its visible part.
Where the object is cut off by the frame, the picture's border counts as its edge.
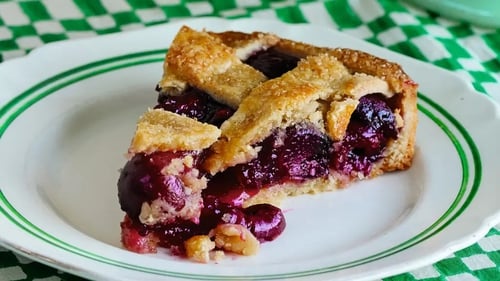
(14, 101)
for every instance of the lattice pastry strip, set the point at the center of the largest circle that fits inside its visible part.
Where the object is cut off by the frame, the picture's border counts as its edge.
(204, 61)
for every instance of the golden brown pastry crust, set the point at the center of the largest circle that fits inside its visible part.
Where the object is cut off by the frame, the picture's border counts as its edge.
(160, 130)
(206, 63)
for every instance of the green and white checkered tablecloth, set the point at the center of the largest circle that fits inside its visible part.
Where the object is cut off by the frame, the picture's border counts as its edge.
(472, 52)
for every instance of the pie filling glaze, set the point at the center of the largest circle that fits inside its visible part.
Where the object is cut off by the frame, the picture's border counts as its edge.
(173, 196)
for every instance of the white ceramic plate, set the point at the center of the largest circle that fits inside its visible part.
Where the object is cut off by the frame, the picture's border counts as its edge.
(69, 111)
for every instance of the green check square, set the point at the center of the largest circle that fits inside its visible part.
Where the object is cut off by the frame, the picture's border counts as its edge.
(495, 257)
(481, 76)
(381, 24)
(479, 87)
(375, 41)
(256, 8)
(451, 266)
(409, 49)
(8, 45)
(488, 273)
(469, 251)
(47, 38)
(462, 30)
(107, 30)
(454, 48)
(221, 5)
(125, 18)
(493, 41)
(448, 64)
(35, 10)
(412, 31)
(76, 25)
(391, 6)
(176, 11)
(22, 30)
(141, 4)
(90, 7)
(494, 231)
(291, 15)
(425, 20)
(342, 13)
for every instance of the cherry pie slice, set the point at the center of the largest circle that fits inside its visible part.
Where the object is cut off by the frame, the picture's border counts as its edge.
(245, 120)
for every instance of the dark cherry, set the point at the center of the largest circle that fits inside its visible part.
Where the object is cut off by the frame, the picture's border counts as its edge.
(265, 221)
(272, 62)
(174, 234)
(196, 104)
(216, 212)
(296, 153)
(371, 126)
(374, 111)
(141, 180)
(304, 154)
(141, 238)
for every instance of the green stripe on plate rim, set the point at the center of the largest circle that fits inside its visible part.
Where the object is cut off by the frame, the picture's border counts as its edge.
(427, 106)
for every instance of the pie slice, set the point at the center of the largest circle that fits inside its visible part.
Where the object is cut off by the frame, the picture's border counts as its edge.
(244, 120)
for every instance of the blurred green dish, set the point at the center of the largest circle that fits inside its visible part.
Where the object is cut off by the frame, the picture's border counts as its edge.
(484, 13)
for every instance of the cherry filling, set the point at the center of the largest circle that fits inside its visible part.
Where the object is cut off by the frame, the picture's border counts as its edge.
(371, 126)
(272, 62)
(196, 104)
(143, 180)
(302, 152)
(265, 221)
(293, 154)
(296, 153)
